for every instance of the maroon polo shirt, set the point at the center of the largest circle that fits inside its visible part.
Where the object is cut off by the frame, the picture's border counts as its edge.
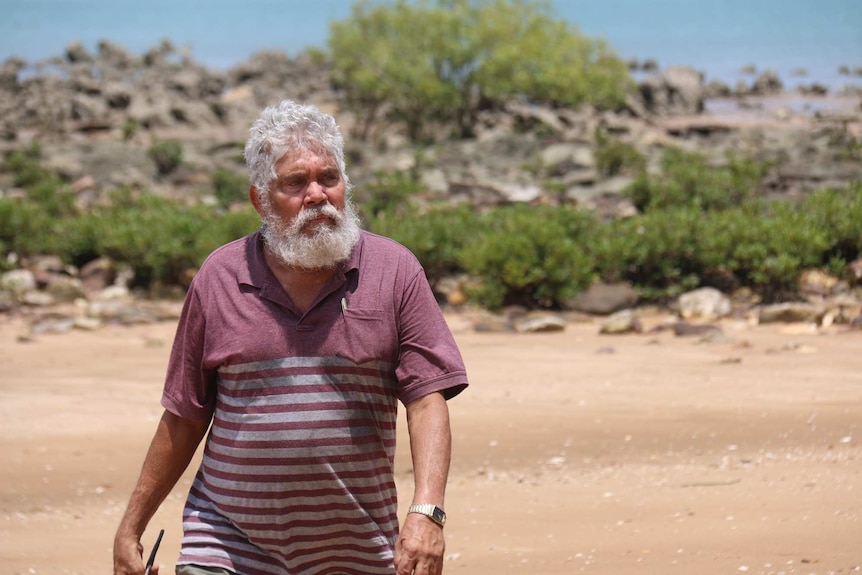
(297, 474)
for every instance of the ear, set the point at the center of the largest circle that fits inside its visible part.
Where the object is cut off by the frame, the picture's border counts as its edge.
(255, 199)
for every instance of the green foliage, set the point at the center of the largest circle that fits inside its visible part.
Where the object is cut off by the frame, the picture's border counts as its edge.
(229, 187)
(130, 128)
(167, 155)
(529, 256)
(25, 166)
(845, 145)
(436, 237)
(434, 61)
(656, 251)
(389, 192)
(537, 256)
(686, 179)
(614, 157)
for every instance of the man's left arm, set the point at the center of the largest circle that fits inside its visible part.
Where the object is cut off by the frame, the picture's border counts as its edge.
(420, 545)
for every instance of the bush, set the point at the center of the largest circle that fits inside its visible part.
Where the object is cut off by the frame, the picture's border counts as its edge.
(686, 179)
(614, 157)
(167, 155)
(436, 237)
(434, 62)
(657, 251)
(531, 256)
(229, 187)
(388, 192)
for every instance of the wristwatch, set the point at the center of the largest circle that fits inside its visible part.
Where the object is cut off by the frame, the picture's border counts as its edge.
(430, 510)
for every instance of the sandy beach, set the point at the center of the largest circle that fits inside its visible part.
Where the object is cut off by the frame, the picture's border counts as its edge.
(574, 452)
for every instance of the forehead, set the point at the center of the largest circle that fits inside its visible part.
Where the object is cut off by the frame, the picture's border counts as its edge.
(303, 159)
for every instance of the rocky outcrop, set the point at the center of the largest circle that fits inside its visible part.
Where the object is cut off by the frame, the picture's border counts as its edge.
(95, 114)
(676, 91)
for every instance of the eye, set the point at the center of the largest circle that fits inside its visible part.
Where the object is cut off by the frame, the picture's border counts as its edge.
(293, 184)
(329, 180)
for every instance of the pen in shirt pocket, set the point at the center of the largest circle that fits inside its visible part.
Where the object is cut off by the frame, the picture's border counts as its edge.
(343, 305)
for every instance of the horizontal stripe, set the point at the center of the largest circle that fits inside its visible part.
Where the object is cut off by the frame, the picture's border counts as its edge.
(242, 511)
(303, 362)
(387, 528)
(215, 455)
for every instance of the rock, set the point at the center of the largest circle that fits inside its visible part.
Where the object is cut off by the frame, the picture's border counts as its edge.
(621, 322)
(767, 84)
(65, 289)
(542, 323)
(855, 269)
(604, 299)
(37, 298)
(684, 329)
(817, 283)
(97, 275)
(677, 91)
(559, 159)
(493, 324)
(75, 52)
(706, 304)
(792, 312)
(18, 282)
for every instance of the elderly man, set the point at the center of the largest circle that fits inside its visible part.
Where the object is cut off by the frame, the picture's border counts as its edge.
(294, 347)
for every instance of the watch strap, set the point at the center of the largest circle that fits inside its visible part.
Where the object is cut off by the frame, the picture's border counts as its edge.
(431, 511)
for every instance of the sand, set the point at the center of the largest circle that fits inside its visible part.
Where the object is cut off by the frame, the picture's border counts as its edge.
(574, 452)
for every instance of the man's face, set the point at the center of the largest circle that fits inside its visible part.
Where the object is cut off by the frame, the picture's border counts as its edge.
(308, 221)
(306, 181)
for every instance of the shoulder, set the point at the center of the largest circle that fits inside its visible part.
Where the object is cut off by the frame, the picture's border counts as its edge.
(229, 262)
(381, 247)
(230, 252)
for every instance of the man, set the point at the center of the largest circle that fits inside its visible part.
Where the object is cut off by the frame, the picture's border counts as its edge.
(294, 347)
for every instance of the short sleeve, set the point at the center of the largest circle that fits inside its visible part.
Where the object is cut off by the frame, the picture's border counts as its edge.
(429, 359)
(190, 389)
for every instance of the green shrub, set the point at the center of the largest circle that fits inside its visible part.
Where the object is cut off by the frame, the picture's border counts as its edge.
(440, 61)
(686, 179)
(130, 127)
(436, 237)
(762, 247)
(25, 166)
(167, 155)
(657, 251)
(389, 192)
(531, 256)
(614, 157)
(229, 187)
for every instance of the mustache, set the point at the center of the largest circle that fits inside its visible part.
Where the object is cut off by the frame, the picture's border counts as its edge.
(311, 214)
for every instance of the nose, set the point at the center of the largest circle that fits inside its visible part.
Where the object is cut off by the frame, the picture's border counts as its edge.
(315, 194)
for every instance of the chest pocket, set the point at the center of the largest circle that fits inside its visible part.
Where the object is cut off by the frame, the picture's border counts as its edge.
(368, 335)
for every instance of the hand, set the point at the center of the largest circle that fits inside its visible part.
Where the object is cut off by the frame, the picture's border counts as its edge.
(420, 546)
(129, 557)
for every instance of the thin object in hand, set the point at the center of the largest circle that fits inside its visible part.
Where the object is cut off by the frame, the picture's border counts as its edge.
(152, 558)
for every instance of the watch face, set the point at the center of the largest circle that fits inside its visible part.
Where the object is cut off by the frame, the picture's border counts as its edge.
(439, 516)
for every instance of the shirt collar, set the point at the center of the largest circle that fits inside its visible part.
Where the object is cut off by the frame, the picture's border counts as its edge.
(257, 271)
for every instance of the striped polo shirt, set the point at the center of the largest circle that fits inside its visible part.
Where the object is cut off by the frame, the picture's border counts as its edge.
(297, 471)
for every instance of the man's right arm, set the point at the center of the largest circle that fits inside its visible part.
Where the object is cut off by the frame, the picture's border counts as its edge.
(173, 446)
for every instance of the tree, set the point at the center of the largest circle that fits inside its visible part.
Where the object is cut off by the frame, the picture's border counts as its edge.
(434, 61)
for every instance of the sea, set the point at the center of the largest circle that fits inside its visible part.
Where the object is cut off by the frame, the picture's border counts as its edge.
(804, 41)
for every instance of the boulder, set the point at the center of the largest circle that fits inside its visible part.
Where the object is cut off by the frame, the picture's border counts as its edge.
(706, 304)
(767, 84)
(605, 299)
(621, 322)
(791, 312)
(540, 323)
(679, 90)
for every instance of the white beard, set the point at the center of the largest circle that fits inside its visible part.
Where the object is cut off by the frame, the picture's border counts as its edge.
(327, 246)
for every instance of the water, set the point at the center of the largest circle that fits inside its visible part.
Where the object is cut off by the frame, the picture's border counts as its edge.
(717, 37)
